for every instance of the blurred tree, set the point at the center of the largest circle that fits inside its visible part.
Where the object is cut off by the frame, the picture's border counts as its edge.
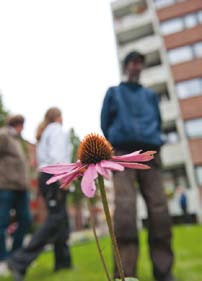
(3, 112)
(76, 196)
(75, 141)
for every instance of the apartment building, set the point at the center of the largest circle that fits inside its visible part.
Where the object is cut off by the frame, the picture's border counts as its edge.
(169, 34)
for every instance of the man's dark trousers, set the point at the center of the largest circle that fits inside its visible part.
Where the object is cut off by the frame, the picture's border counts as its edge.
(55, 230)
(159, 222)
(18, 200)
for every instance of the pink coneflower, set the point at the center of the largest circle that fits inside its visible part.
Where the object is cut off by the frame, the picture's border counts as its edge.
(96, 157)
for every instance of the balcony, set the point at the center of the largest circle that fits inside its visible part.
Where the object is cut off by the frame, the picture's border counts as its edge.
(124, 7)
(154, 75)
(134, 27)
(145, 45)
(169, 111)
(172, 154)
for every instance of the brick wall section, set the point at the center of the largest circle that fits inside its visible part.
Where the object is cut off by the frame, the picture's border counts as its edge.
(196, 151)
(191, 108)
(179, 9)
(182, 38)
(37, 204)
(187, 70)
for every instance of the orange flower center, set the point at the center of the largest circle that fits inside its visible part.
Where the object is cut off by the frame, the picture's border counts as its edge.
(93, 149)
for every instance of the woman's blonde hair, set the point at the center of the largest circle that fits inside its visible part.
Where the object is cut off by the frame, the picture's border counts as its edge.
(51, 115)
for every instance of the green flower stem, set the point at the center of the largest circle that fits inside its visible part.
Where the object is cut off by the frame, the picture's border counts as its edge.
(97, 241)
(110, 226)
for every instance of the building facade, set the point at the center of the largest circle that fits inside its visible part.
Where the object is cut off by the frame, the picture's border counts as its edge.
(169, 34)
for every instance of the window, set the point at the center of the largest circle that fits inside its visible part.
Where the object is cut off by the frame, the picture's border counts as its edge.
(197, 48)
(200, 16)
(172, 26)
(163, 3)
(193, 128)
(189, 88)
(198, 173)
(190, 20)
(185, 53)
(181, 23)
(179, 55)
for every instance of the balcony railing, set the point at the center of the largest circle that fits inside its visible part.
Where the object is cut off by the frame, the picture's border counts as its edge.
(124, 7)
(145, 45)
(169, 111)
(132, 21)
(121, 4)
(154, 75)
(172, 154)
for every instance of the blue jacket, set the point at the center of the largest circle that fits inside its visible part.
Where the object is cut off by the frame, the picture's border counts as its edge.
(130, 117)
(183, 201)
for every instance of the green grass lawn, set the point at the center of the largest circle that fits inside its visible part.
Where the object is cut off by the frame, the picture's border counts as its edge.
(87, 266)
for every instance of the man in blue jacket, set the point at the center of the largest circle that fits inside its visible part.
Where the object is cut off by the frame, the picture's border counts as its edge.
(130, 120)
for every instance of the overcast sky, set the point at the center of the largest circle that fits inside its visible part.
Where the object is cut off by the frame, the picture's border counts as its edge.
(57, 53)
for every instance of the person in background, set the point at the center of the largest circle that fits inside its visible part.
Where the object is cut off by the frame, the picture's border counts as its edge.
(183, 204)
(52, 148)
(13, 187)
(130, 120)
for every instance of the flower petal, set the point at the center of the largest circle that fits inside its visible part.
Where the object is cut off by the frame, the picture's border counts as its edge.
(114, 166)
(65, 182)
(87, 183)
(136, 156)
(59, 168)
(102, 171)
(56, 178)
(64, 175)
(134, 165)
